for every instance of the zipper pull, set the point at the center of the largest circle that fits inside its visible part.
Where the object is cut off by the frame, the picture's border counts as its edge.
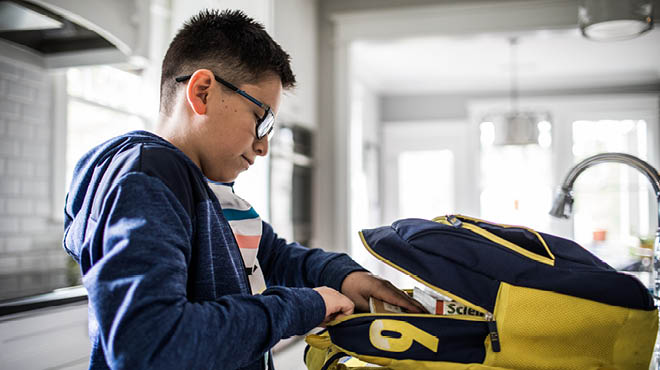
(492, 329)
(454, 221)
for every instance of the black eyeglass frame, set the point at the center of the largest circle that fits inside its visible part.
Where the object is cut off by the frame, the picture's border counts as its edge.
(265, 123)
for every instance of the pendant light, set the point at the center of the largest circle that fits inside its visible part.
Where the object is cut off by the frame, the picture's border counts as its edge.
(610, 20)
(515, 126)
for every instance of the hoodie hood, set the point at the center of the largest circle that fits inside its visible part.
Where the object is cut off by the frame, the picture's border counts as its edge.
(89, 176)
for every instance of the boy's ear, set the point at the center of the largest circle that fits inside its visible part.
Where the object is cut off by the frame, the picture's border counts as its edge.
(197, 90)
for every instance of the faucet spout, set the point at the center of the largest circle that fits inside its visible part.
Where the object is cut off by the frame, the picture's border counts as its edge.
(562, 206)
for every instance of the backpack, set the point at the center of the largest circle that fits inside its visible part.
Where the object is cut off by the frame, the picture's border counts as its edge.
(542, 302)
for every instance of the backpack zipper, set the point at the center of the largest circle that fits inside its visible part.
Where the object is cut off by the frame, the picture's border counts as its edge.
(492, 332)
(455, 222)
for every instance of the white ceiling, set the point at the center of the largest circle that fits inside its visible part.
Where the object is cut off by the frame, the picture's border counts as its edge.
(558, 59)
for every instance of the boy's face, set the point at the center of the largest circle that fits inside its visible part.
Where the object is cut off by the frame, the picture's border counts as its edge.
(227, 141)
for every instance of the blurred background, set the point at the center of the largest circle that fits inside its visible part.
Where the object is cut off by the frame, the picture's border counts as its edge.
(404, 108)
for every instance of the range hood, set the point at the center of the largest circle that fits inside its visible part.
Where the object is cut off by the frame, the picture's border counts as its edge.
(72, 32)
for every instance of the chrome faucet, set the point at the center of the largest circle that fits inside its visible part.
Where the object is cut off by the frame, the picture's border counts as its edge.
(563, 205)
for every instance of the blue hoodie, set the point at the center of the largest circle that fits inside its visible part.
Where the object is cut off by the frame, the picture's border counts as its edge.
(166, 282)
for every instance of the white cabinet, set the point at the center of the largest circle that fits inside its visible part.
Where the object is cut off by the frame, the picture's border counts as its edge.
(124, 23)
(295, 29)
(47, 338)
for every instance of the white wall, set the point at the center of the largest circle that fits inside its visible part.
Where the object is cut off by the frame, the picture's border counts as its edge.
(436, 106)
(366, 182)
(182, 10)
(31, 257)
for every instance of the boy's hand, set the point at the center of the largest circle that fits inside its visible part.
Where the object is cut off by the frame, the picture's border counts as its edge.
(337, 305)
(360, 285)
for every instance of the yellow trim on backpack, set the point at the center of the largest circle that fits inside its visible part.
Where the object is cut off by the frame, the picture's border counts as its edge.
(398, 315)
(440, 290)
(503, 242)
(538, 236)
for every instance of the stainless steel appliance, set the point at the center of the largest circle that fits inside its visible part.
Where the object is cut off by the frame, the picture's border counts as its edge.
(291, 167)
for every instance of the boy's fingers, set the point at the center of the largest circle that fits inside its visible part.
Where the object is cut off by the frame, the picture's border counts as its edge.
(415, 307)
(361, 285)
(400, 298)
(411, 304)
(361, 303)
(393, 295)
(336, 304)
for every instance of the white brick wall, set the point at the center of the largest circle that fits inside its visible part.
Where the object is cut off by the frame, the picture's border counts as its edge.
(31, 257)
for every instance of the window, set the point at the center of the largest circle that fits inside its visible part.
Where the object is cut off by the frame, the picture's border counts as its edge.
(103, 102)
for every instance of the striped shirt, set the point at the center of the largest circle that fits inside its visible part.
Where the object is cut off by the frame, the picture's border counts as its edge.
(246, 225)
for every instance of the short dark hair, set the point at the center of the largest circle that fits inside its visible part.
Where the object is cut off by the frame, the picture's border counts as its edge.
(228, 42)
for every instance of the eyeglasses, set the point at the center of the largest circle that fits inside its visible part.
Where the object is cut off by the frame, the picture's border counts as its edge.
(264, 124)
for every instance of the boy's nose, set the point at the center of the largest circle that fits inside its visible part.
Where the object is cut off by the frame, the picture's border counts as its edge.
(261, 146)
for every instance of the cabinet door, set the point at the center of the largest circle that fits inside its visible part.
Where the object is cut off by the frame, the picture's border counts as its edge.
(48, 338)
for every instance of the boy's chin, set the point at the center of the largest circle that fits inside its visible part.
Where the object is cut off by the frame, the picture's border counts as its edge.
(223, 178)
(226, 175)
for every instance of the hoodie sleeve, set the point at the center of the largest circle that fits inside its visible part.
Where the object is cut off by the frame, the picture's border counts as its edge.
(291, 264)
(137, 291)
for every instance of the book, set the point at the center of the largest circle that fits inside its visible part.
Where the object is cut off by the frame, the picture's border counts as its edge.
(455, 308)
(438, 304)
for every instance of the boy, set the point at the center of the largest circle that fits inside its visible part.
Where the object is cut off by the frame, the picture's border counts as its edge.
(167, 282)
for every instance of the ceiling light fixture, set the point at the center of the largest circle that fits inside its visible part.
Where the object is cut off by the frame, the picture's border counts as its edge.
(516, 127)
(611, 20)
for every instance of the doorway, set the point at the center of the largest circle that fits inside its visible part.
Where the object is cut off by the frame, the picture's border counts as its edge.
(426, 170)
